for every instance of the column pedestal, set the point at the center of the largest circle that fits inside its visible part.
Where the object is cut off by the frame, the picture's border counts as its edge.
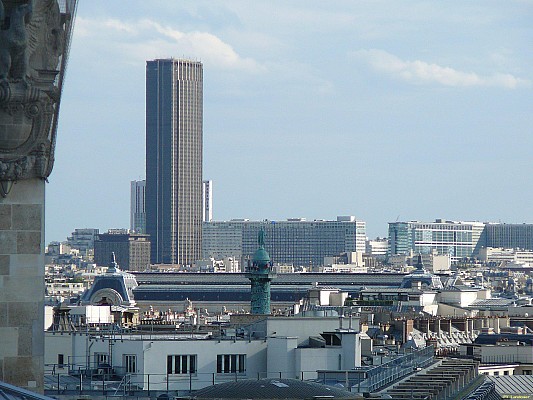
(22, 285)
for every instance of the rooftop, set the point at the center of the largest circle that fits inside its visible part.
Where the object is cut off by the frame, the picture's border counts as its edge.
(272, 389)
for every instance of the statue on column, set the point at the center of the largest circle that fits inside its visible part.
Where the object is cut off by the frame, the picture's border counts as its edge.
(34, 38)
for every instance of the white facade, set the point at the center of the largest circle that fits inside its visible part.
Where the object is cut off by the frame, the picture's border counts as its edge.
(458, 239)
(92, 314)
(501, 353)
(377, 247)
(458, 297)
(271, 348)
(57, 248)
(64, 288)
(137, 207)
(500, 255)
(207, 201)
(228, 264)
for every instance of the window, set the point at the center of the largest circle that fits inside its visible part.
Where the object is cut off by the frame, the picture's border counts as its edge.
(60, 360)
(130, 363)
(231, 363)
(181, 364)
(101, 359)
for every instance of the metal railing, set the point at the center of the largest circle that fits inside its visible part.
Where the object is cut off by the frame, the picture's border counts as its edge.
(105, 380)
(118, 383)
(369, 379)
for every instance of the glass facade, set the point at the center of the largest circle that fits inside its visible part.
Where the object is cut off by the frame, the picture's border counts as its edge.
(457, 239)
(174, 112)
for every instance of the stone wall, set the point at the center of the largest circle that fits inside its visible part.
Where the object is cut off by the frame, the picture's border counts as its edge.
(22, 285)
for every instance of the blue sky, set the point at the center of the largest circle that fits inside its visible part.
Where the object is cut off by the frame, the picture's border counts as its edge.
(381, 109)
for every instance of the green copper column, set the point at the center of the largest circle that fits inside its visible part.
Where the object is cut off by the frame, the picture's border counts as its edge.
(260, 274)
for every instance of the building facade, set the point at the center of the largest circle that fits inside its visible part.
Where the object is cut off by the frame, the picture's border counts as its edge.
(509, 236)
(191, 361)
(174, 113)
(455, 238)
(377, 247)
(83, 240)
(132, 251)
(137, 207)
(295, 241)
(207, 201)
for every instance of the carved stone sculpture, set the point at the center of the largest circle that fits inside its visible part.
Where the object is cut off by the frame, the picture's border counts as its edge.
(34, 38)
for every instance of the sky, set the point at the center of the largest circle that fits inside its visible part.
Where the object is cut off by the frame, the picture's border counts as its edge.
(385, 110)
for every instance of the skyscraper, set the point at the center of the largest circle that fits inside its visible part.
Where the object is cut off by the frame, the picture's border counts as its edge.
(137, 207)
(174, 110)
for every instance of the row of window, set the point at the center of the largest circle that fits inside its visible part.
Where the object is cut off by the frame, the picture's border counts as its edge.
(176, 363)
(187, 364)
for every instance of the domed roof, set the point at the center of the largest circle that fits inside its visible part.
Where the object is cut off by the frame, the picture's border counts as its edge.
(426, 279)
(272, 389)
(115, 287)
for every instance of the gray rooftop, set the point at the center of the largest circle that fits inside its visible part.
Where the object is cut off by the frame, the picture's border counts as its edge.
(324, 279)
(272, 389)
(10, 392)
(513, 384)
(494, 302)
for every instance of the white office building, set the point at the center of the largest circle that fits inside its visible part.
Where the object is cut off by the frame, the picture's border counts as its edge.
(458, 239)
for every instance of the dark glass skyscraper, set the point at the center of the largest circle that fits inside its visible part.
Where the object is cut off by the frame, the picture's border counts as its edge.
(174, 110)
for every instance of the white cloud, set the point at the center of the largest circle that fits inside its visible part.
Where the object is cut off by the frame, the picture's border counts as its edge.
(418, 71)
(145, 39)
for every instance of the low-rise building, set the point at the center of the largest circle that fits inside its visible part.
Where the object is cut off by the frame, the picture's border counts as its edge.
(280, 347)
(500, 256)
(501, 353)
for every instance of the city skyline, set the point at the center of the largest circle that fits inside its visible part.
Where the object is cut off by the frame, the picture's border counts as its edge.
(381, 110)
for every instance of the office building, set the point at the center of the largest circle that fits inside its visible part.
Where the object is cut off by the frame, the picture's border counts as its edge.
(377, 247)
(509, 236)
(294, 241)
(174, 160)
(455, 238)
(207, 201)
(137, 208)
(132, 251)
(83, 240)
